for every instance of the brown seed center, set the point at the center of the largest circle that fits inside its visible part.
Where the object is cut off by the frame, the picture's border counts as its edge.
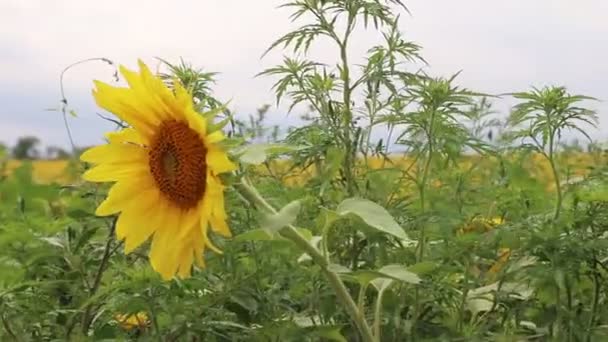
(177, 163)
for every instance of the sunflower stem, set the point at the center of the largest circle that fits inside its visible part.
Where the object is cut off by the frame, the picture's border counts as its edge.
(251, 194)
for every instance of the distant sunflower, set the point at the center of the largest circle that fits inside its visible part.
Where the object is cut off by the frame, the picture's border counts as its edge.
(166, 168)
(135, 321)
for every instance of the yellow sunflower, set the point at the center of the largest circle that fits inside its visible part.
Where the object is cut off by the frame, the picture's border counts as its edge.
(129, 322)
(165, 168)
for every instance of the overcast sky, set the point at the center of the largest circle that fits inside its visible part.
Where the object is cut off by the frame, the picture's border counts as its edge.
(500, 46)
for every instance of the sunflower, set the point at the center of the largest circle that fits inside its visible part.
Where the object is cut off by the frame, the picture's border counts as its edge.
(165, 171)
(135, 321)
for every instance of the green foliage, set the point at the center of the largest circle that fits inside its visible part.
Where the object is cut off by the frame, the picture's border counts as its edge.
(454, 239)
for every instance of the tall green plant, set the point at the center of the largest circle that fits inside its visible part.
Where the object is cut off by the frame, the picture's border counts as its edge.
(545, 115)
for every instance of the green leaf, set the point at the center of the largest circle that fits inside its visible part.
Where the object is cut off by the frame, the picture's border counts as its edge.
(256, 154)
(400, 272)
(327, 218)
(362, 277)
(286, 216)
(255, 235)
(330, 333)
(337, 268)
(381, 284)
(373, 214)
(253, 154)
(394, 272)
(78, 214)
(422, 268)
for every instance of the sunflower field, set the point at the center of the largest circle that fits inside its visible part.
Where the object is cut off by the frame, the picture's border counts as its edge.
(457, 224)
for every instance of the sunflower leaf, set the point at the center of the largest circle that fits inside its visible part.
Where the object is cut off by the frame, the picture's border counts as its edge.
(400, 272)
(254, 235)
(372, 214)
(286, 216)
(256, 154)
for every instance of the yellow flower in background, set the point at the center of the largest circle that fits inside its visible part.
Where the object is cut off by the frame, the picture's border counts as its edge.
(165, 168)
(130, 322)
(484, 225)
(480, 225)
(503, 256)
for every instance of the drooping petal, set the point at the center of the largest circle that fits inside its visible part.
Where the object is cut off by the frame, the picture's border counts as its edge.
(122, 194)
(220, 226)
(205, 238)
(198, 243)
(185, 262)
(189, 221)
(148, 225)
(165, 249)
(131, 218)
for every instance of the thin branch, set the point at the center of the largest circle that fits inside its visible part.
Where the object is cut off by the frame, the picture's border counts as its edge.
(64, 100)
(86, 319)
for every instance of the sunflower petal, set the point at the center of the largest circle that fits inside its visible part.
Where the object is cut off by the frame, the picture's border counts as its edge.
(197, 123)
(205, 238)
(111, 173)
(215, 137)
(130, 220)
(141, 233)
(219, 161)
(189, 222)
(123, 103)
(148, 90)
(163, 252)
(121, 195)
(185, 262)
(115, 153)
(127, 135)
(164, 97)
(220, 226)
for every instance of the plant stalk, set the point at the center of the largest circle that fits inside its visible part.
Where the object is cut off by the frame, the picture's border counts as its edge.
(558, 186)
(291, 233)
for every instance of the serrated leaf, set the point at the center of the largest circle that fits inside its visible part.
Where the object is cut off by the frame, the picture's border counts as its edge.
(372, 214)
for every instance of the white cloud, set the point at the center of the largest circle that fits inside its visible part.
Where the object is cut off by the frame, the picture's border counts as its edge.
(500, 46)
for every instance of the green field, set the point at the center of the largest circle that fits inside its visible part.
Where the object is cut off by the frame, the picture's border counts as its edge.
(485, 227)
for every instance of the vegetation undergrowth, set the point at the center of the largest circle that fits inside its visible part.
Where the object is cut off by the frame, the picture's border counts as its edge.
(477, 229)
